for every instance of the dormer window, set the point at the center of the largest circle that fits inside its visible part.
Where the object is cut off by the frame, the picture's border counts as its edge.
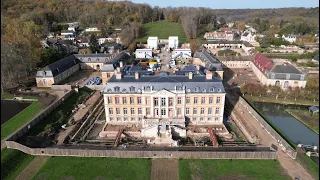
(302, 77)
(109, 90)
(44, 73)
(219, 90)
(116, 89)
(89, 59)
(124, 90)
(132, 89)
(211, 89)
(196, 89)
(288, 76)
(97, 59)
(147, 88)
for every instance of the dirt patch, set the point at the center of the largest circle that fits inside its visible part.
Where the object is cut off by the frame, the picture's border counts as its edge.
(164, 169)
(33, 167)
(68, 178)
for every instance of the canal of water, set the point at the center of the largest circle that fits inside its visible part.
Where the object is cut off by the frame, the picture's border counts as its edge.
(10, 108)
(296, 131)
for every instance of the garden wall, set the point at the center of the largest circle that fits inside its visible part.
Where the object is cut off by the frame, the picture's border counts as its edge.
(195, 154)
(24, 129)
(284, 144)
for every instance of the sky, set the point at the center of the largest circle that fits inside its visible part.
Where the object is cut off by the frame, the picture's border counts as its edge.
(232, 4)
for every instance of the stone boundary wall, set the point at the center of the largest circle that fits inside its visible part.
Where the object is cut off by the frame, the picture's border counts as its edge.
(285, 146)
(61, 87)
(24, 129)
(143, 153)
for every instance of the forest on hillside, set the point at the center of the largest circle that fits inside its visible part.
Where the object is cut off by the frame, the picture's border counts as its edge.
(25, 22)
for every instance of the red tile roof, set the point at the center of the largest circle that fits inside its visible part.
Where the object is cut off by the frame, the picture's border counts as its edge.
(262, 63)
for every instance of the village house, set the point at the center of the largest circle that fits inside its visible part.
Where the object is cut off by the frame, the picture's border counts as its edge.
(247, 47)
(205, 59)
(222, 34)
(290, 38)
(248, 37)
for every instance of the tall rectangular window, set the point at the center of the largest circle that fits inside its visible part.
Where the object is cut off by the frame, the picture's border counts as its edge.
(188, 100)
(210, 100)
(163, 112)
(118, 111)
(163, 101)
(209, 111)
(155, 101)
(148, 111)
(131, 100)
(203, 100)
(117, 100)
(179, 111)
(202, 111)
(187, 111)
(156, 112)
(132, 111)
(125, 111)
(218, 100)
(110, 111)
(124, 100)
(147, 100)
(170, 101)
(195, 100)
(109, 100)
(194, 111)
(179, 100)
(139, 111)
(216, 118)
(139, 100)
(217, 110)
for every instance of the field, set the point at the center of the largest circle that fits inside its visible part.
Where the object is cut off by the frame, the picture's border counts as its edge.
(20, 119)
(164, 169)
(230, 169)
(13, 162)
(163, 30)
(306, 118)
(94, 168)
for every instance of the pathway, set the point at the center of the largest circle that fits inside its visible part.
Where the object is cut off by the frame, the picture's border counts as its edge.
(292, 167)
(164, 169)
(32, 168)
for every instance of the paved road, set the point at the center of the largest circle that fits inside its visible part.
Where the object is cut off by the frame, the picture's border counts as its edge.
(293, 168)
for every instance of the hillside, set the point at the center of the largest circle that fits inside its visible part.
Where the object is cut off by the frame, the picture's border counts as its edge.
(163, 30)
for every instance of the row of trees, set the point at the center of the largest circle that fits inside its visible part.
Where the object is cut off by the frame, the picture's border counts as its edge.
(311, 92)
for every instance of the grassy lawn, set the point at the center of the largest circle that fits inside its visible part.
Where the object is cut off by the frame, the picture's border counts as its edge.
(230, 169)
(306, 118)
(13, 162)
(20, 119)
(95, 168)
(6, 95)
(281, 100)
(163, 30)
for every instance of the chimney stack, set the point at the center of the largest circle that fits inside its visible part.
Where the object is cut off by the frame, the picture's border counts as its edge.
(118, 75)
(209, 75)
(190, 75)
(121, 64)
(136, 75)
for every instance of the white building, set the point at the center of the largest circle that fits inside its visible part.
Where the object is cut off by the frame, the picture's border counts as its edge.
(143, 53)
(290, 38)
(248, 37)
(67, 33)
(182, 53)
(153, 42)
(173, 42)
(72, 29)
(92, 29)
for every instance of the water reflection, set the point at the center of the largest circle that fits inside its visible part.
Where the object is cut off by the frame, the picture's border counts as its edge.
(11, 108)
(290, 126)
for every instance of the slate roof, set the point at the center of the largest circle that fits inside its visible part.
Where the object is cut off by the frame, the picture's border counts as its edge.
(286, 71)
(227, 42)
(198, 84)
(58, 67)
(211, 63)
(245, 34)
